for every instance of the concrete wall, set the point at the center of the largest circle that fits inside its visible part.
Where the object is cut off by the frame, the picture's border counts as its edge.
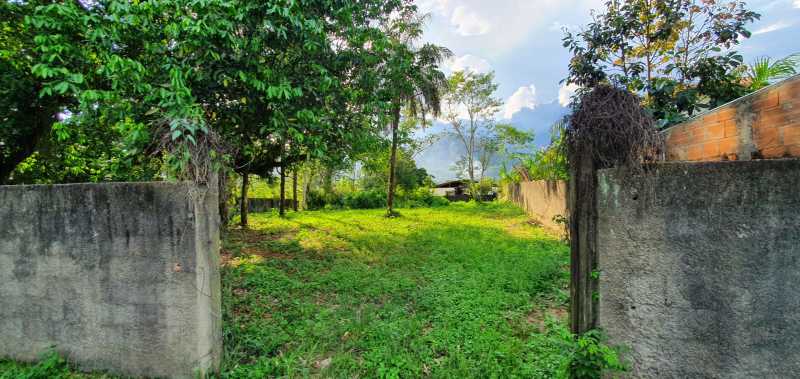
(700, 266)
(121, 276)
(541, 199)
(764, 124)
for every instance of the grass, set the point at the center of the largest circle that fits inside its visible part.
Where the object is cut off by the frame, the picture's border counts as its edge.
(453, 292)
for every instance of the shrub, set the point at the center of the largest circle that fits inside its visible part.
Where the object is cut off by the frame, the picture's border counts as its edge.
(364, 199)
(592, 359)
(319, 199)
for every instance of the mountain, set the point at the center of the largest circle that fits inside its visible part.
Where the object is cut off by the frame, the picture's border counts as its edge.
(440, 157)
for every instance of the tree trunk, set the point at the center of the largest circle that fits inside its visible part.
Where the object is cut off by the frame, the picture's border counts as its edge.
(392, 163)
(222, 183)
(582, 207)
(282, 205)
(307, 178)
(243, 203)
(327, 180)
(294, 190)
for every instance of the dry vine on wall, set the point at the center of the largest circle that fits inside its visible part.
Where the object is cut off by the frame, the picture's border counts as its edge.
(608, 128)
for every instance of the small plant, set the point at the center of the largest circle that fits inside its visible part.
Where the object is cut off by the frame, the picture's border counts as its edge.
(592, 359)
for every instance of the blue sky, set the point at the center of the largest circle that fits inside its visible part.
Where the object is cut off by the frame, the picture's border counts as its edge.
(521, 39)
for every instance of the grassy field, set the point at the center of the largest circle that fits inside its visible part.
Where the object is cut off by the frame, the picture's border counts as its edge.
(453, 292)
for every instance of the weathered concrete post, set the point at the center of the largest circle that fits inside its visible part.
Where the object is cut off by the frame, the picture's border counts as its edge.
(583, 242)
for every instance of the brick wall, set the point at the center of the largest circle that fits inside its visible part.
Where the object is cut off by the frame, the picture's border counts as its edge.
(764, 124)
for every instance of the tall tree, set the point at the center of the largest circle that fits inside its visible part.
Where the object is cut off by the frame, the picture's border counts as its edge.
(26, 117)
(198, 73)
(677, 54)
(411, 79)
(471, 110)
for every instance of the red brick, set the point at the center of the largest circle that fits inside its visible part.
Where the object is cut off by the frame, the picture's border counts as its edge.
(766, 101)
(775, 117)
(777, 151)
(715, 131)
(694, 153)
(766, 136)
(789, 92)
(730, 128)
(791, 134)
(793, 150)
(725, 114)
(729, 145)
(711, 150)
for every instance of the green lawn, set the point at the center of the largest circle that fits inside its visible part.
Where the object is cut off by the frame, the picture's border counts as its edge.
(453, 292)
(459, 291)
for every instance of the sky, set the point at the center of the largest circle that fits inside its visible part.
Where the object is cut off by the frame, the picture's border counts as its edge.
(520, 40)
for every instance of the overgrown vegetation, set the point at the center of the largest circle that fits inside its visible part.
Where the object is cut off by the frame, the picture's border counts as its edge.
(678, 55)
(469, 290)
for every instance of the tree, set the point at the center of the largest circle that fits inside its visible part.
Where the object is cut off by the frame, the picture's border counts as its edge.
(199, 74)
(677, 54)
(764, 70)
(25, 117)
(411, 79)
(471, 110)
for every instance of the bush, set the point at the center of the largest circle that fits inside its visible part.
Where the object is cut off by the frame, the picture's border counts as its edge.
(374, 199)
(365, 199)
(419, 198)
(319, 199)
(592, 359)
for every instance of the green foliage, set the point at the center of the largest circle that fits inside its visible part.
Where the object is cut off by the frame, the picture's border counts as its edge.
(474, 93)
(470, 290)
(370, 199)
(407, 175)
(764, 70)
(51, 366)
(591, 358)
(549, 163)
(280, 81)
(676, 54)
(374, 198)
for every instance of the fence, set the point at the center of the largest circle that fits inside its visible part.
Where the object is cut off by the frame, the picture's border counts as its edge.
(544, 200)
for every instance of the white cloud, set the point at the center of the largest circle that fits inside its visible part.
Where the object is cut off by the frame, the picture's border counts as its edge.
(497, 28)
(565, 93)
(469, 63)
(432, 6)
(797, 3)
(524, 97)
(558, 26)
(469, 23)
(773, 27)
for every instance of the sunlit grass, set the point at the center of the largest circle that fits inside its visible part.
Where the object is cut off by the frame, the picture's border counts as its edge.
(458, 291)
(464, 291)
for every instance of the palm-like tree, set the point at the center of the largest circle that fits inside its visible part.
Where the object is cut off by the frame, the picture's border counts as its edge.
(764, 71)
(411, 80)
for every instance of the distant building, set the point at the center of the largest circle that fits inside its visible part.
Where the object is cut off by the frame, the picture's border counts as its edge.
(458, 190)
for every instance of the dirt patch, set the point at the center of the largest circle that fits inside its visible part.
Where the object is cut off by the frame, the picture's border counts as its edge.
(538, 316)
(251, 236)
